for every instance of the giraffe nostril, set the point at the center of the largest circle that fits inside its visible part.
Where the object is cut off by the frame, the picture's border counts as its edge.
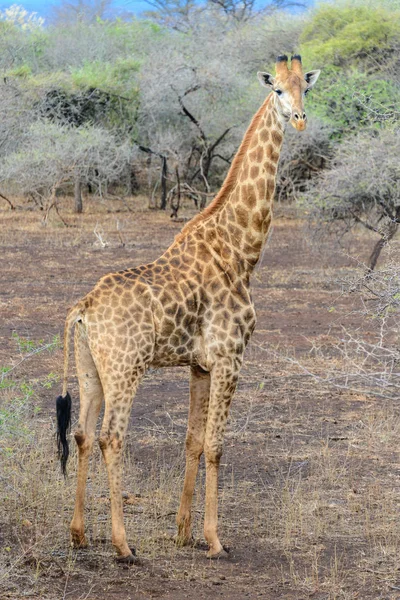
(296, 116)
(304, 116)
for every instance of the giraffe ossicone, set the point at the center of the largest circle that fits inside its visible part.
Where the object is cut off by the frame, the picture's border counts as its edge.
(193, 307)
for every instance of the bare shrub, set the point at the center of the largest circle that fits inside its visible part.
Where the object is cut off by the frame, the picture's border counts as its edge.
(362, 187)
(17, 113)
(302, 158)
(51, 155)
(365, 359)
(372, 354)
(81, 11)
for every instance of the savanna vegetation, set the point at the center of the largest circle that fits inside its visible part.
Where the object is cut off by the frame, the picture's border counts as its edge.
(105, 116)
(137, 105)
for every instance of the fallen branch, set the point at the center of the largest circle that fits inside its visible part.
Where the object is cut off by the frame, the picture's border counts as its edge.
(12, 206)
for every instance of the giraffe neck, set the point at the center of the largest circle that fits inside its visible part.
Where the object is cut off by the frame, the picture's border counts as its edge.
(238, 228)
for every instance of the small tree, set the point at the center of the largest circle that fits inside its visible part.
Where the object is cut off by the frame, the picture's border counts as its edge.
(80, 11)
(20, 17)
(52, 155)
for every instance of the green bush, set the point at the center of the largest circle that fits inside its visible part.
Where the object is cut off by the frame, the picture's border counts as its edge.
(119, 78)
(348, 100)
(339, 33)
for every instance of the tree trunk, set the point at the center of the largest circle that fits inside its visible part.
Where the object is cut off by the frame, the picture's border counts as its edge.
(78, 196)
(176, 205)
(164, 173)
(380, 244)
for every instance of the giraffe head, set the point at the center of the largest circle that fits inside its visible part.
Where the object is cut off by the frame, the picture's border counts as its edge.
(289, 87)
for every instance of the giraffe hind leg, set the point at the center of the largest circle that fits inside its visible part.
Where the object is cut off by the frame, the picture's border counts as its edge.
(118, 403)
(91, 396)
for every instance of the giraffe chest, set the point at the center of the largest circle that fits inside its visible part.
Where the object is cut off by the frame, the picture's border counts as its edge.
(193, 327)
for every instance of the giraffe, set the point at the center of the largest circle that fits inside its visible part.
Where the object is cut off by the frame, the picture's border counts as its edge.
(192, 306)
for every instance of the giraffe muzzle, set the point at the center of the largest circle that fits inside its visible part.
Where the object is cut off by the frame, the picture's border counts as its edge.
(299, 120)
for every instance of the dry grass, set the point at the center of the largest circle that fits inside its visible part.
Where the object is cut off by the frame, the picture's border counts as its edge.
(328, 504)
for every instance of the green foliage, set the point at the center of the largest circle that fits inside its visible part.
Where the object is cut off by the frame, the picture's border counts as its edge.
(14, 408)
(339, 33)
(49, 381)
(348, 100)
(20, 71)
(24, 344)
(19, 398)
(5, 383)
(133, 36)
(119, 78)
(27, 345)
(38, 83)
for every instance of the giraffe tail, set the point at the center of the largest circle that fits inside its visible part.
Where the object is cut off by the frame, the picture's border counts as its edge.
(64, 402)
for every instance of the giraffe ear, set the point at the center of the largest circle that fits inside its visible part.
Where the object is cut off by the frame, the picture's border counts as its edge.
(311, 78)
(265, 79)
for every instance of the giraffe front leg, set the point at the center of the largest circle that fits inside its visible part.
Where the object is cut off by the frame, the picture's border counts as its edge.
(199, 398)
(111, 441)
(223, 385)
(91, 395)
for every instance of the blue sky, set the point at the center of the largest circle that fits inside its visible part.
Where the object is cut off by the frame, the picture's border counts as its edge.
(43, 7)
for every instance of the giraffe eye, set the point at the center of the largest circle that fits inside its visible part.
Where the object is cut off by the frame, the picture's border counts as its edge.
(279, 92)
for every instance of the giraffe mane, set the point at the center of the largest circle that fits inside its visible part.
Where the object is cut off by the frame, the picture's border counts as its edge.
(230, 179)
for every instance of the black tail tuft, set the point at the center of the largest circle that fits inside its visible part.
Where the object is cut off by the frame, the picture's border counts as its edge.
(63, 406)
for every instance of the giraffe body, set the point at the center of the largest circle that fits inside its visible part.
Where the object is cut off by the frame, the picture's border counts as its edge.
(193, 307)
(167, 314)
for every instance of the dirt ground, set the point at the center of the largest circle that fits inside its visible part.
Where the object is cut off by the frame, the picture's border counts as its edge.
(309, 488)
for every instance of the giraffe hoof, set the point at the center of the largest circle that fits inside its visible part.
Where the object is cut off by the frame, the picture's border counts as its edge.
(79, 541)
(222, 554)
(199, 545)
(182, 541)
(130, 559)
(191, 542)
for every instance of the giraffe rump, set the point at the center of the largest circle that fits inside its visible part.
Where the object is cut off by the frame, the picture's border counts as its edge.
(63, 406)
